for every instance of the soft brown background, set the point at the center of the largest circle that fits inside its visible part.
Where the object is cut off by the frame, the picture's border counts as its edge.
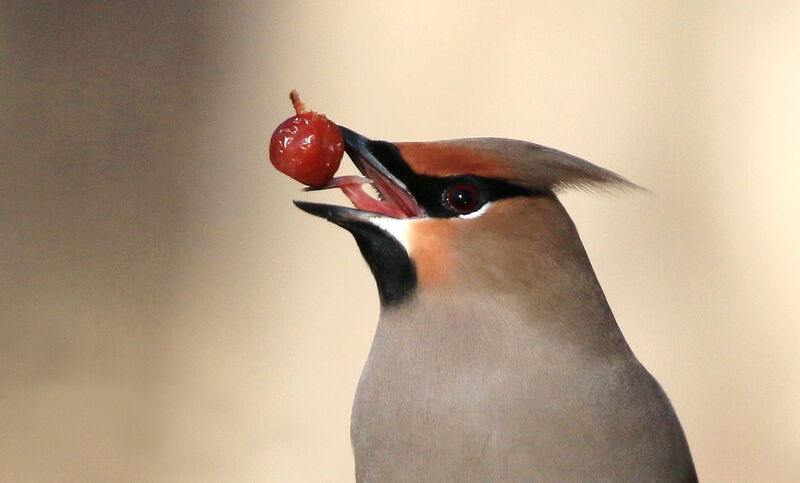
(168, 315)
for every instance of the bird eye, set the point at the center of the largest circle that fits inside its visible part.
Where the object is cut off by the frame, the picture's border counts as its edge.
(462, 198)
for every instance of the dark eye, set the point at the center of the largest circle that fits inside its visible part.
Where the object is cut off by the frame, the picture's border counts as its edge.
(462, 198)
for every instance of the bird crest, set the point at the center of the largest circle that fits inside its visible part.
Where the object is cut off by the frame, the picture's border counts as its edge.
(531, 165)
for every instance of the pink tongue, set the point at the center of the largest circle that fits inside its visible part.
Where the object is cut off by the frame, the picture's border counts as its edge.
(351, 186)
(363, 201)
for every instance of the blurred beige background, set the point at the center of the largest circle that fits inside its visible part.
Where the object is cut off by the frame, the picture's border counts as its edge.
(166, 314)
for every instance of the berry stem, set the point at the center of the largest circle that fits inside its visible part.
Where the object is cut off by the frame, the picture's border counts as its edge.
(299, 107)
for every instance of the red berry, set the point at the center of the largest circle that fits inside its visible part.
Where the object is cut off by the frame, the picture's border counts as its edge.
(307, 146)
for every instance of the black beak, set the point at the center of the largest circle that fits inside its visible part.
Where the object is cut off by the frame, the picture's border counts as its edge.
(378, 161)
(341, 215)
(353, 142)
(362, 151)
(355, 146)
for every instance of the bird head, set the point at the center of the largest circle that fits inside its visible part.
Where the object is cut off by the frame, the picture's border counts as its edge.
(464, 216)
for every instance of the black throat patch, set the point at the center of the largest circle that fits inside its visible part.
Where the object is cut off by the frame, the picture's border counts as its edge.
(393, 270)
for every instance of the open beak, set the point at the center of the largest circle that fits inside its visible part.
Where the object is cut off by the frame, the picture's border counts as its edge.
(394, 199)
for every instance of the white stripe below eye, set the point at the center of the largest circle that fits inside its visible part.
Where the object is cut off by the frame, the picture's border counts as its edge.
(477, 212)
(396, 227)
(399, 228)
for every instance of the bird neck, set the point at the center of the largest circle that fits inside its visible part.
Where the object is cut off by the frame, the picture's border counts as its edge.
(524, 262)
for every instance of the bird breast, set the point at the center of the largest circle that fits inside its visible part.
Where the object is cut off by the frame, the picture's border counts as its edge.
(483, 395)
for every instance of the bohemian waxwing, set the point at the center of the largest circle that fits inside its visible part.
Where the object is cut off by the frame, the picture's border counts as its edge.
(496, 356)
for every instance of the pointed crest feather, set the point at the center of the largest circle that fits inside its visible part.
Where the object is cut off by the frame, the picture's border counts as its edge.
(542, 168)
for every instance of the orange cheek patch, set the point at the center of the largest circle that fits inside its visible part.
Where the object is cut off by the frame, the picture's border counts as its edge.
(446, 159)
(429, 248)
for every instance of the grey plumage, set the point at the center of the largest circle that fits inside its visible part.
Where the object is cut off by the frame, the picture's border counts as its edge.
(524, 378)
(502, 361)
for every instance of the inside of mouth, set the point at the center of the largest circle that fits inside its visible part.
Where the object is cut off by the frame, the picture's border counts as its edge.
(392, 200)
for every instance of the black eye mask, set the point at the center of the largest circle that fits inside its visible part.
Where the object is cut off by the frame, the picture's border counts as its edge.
(431, 192)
